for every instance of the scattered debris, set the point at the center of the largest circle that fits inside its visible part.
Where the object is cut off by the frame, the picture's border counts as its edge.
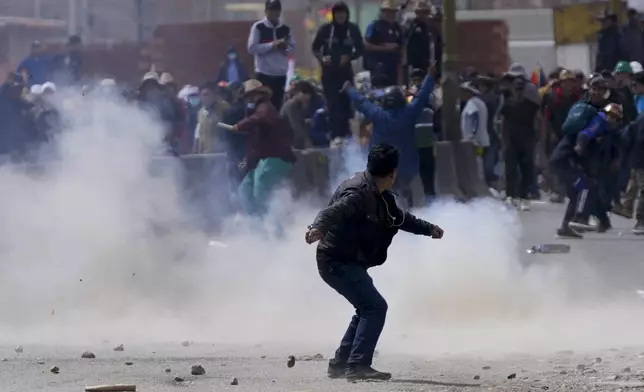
(168, 370)
(486, 368)
(263, 357)
(55, 369)
(41, 362)
(88, 355)
(627, 369)
(197, 370)
(589, 371)
(291, 361)
(598, 360)
(179, 379)
(119, 348)
(128, 363)
(581, 367)
(185, 343)
(4, 360)
(234, 381)
(563, 372)
(612, 378)
(549, 248)
(18, 349)
(112, 388)
(512, 376)
(306, 358)
(477, 377)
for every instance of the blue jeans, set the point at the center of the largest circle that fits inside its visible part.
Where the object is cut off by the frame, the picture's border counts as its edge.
(352, 281)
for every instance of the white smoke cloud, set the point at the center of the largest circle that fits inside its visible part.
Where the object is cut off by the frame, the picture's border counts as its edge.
(104, 245)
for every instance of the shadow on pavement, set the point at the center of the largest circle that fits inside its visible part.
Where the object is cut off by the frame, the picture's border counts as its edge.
(431, 382)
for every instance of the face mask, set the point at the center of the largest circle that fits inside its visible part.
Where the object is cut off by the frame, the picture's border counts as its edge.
(250, 106)
(232, 56)
(194, 101)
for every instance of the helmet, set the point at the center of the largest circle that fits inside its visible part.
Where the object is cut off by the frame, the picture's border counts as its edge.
(623, 67)
(393, 97)
(598, 82)
(614, 109)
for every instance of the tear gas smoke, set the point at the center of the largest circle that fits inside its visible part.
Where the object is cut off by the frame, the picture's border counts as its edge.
(104, 245)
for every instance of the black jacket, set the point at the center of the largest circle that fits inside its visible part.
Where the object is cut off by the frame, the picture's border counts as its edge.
(422, 40)
(608, 49)
(337, 40)
(633, 138)
(360, 223)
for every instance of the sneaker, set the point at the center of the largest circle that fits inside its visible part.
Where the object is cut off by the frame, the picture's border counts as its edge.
(603, 227)
(336, 370)
(622, 211)
(639, 228)
(569, 232)
(360, 372)
(581, 224)
(510, 202)
(524, 205)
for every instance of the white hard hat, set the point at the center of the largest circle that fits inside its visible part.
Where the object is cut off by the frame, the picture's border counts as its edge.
(636, 67)
(36, 89)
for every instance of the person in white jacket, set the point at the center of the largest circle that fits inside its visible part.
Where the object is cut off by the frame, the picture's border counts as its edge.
(474, 121)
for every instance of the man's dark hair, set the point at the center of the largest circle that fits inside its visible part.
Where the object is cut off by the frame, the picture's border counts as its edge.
(304, 87)
(383, 160)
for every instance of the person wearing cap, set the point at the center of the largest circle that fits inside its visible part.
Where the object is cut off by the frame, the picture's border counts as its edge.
(269, 155)
(632, 39)
(424, 45)
(519, 112)
(36, 68)
(152, 97)
(632, 137)
(578, 158)
(555, 107)
(609, 41)
(384, 45)
(336, 45)
(270, 42)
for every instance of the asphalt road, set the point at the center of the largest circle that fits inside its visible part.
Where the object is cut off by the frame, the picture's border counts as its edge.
(616, 257)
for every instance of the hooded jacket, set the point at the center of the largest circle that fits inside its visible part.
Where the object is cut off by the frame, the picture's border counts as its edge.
(336, 40)
(397, 126)
(633, 139)
(360, 223)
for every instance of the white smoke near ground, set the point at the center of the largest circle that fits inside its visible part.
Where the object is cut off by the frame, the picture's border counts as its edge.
(103, 245)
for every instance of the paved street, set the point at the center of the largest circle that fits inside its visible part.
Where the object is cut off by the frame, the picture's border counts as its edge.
(465, 314)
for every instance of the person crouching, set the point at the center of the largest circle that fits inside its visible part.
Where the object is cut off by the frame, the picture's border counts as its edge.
(269, 156)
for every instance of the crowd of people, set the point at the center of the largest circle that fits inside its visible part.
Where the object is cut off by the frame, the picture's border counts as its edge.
(576, 136)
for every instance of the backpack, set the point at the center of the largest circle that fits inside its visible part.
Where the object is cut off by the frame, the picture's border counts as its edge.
(579, 115)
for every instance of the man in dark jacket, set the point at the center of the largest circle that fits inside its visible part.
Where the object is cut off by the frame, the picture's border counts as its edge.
(18, 133)
(609, 40)
(633, 139)
(232, 70)
(355, 232)
(424, 44)
(578, 158)
(633, 38)
(336, 45)
(384, 45)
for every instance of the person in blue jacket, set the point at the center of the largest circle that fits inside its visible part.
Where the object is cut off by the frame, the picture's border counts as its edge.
(581, 161)
(394, 122)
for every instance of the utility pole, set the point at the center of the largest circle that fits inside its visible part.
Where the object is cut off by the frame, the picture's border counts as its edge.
(451, 123)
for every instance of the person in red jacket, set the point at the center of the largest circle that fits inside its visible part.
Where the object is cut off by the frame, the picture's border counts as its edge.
(269, 156)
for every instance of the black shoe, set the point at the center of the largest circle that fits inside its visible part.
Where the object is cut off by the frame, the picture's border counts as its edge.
(336, 370)
(603, 227)
(639, 228)
(581, 224)
(569, 232)
(355, 373)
